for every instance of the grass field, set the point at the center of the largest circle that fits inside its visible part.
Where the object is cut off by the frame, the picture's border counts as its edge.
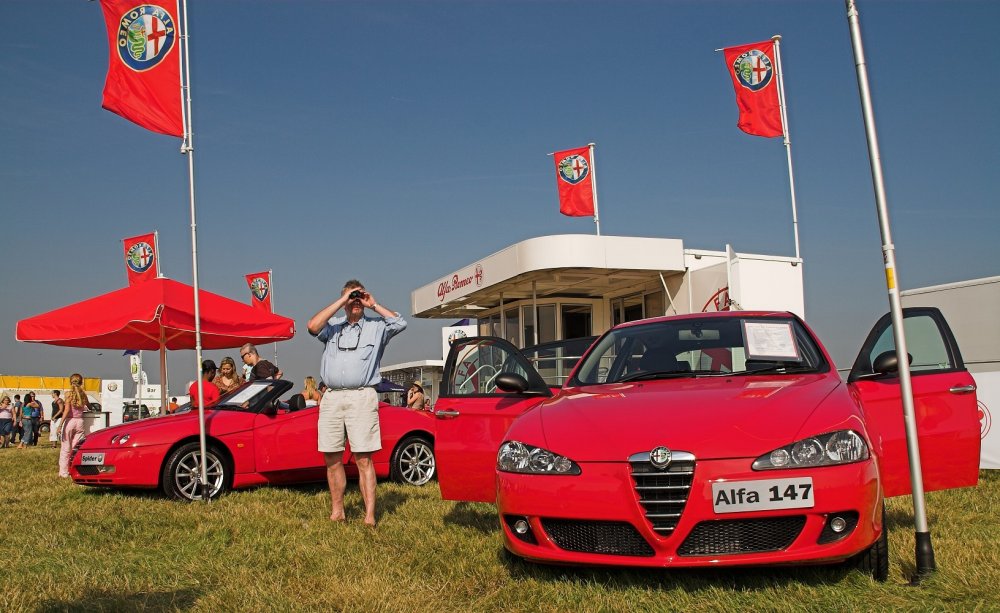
(70, 548)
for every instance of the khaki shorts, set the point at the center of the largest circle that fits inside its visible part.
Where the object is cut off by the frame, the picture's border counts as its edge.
(353, 413)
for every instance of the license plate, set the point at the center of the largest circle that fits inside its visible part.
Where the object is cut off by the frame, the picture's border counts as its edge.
(92, 459)
(762, 495)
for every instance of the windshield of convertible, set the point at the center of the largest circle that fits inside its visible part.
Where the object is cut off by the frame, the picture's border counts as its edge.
(701, 347)
(252, 396)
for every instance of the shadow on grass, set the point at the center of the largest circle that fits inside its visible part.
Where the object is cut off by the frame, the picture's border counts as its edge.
(99, 600)
(737, 579)
(138, 494)
(472, 516)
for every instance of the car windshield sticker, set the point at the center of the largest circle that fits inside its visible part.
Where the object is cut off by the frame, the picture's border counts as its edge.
(770, 341)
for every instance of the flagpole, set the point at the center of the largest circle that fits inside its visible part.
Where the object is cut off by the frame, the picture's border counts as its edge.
(188, 148)
(164, 385)
(156, 253)
(923, 548)
(782, 105)
(593, 187)
(270, 277)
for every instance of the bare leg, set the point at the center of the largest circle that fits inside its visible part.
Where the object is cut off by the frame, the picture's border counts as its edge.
(337, 480)
(366, 481)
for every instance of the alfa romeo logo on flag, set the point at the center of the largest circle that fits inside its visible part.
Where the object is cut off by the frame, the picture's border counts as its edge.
(146, 35)
(753, 69)
(139, 257)
(573, 169)
(259, 288)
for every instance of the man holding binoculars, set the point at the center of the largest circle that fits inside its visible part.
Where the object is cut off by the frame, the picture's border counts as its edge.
(350, 368)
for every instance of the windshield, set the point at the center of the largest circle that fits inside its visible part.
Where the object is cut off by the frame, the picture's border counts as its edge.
(246, 397)
(709, 346)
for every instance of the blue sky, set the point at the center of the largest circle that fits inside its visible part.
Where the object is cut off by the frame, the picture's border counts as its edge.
(398, 141)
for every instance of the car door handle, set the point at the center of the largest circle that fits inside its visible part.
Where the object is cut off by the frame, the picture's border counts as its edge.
(963, 389)
(446, 414)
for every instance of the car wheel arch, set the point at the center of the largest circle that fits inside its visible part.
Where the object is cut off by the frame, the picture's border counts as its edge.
(406, 438)
(210, 441)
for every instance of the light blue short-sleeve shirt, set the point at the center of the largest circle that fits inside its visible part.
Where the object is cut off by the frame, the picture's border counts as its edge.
(353, 352)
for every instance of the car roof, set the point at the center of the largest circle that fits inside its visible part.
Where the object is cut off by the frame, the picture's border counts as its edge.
(709, 315)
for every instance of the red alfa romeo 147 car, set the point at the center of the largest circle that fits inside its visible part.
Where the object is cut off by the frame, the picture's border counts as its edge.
(703, 440)
(254, 438)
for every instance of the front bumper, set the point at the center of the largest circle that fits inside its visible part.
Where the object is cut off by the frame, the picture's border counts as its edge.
(580, 519)
(122, 467)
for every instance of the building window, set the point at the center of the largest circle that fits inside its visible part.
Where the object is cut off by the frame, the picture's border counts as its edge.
(513, 327)
(547, 324)
(576, 320)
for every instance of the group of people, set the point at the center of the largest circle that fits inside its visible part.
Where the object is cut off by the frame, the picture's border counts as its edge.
(24, 419)
(65, 425)
(216, 381)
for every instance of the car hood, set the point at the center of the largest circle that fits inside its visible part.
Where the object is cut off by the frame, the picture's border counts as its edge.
(172, 426)
(732, 417)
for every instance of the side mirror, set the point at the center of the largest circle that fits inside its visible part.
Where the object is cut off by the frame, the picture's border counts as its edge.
(887, 364)
(512, 382)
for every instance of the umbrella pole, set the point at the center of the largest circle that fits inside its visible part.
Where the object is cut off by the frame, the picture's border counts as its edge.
(163, 373)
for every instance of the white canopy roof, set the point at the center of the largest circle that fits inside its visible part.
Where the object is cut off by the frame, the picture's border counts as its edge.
(566, 265)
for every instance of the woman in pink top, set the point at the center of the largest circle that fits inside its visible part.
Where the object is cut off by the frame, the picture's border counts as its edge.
(71, 430)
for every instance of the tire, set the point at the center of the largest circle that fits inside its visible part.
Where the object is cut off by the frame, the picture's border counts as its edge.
(181, 477)
(413, 461)
(44, 428)
(874, 561)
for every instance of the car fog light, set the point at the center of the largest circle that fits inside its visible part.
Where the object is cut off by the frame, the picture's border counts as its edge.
(837, 524)
(521, 526)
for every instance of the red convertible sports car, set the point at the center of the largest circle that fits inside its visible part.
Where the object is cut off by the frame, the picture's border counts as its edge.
(254, 438)
(703, 440)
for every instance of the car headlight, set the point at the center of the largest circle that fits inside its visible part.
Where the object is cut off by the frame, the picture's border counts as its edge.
(516, 457)
(840, 447)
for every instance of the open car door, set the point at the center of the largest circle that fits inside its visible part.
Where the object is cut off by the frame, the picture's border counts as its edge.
(944, 403)
(473, 414)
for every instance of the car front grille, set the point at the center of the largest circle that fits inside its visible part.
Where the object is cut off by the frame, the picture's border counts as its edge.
(605, 537)
(663, 492)
(742, 536)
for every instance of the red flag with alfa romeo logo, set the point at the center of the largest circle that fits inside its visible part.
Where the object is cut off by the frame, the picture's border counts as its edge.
(141, 258)
(144, 74)
(752, 70)
(575, 179)
(260, 290)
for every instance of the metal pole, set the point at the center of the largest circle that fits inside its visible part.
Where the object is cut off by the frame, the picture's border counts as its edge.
(783, 106)
(924, 549)
(270, 279)
(138, 388)
(163, 372)
(534, 311)
(593, 187)
(188, 148)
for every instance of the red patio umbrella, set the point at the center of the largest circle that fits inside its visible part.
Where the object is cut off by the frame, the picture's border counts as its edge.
(156, 314)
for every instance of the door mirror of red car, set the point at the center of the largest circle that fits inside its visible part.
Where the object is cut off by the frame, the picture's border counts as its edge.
(887, 364)
(512, 382)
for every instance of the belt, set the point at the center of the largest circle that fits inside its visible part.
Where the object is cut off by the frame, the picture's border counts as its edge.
(348, 389)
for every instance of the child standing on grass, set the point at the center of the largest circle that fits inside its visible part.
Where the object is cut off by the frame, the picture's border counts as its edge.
(71, 430)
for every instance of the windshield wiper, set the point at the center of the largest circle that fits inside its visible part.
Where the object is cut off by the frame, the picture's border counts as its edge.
(656, 374)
